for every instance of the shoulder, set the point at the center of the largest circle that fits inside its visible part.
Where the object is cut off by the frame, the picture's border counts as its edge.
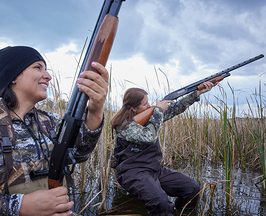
(43, 116)
(3, 108)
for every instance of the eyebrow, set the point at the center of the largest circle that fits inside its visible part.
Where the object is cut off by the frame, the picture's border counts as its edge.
(40, 64)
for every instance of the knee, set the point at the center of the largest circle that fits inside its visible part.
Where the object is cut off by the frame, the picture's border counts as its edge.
(158, 204)
(193, 189)
(190, 200)
(196, 188)
(163, 204)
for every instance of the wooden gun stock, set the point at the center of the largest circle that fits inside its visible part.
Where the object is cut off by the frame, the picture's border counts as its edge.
(103, 42)
(54, 183)
(144, 116)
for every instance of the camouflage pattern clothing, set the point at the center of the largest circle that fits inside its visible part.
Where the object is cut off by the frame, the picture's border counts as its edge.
(30, 154)
(138, 158)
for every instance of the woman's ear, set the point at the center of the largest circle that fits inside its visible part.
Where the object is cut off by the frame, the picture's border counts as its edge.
(134, 111)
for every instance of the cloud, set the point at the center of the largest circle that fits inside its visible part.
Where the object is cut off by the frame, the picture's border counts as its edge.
(237, 6)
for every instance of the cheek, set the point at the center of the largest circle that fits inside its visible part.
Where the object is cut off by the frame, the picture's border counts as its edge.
(143, 108)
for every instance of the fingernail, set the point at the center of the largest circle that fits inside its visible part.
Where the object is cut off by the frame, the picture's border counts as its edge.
(94, 63)
(81, 74)
(71, 213)
(73, 202)
(78, 84)
(78, 79)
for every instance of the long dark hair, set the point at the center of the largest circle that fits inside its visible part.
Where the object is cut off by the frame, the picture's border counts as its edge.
(132, 98)
(9, 96)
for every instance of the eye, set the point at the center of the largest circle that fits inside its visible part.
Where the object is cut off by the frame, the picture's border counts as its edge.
(38, 67)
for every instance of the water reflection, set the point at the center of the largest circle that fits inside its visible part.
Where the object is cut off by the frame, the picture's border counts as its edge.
(247, 197)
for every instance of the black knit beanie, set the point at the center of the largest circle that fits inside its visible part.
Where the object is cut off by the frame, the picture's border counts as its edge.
(14, 60)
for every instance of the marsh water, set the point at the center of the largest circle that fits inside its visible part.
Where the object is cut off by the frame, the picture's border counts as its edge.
(248, 196)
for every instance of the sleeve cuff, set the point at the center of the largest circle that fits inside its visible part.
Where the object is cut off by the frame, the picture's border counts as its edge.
(195, 96)
(20, 201)
(98, 130)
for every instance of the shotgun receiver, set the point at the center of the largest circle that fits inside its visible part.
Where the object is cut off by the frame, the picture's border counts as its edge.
(98, 50)
(143, 117)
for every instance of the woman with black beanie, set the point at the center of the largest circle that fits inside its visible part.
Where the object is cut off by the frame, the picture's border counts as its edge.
(23, 83)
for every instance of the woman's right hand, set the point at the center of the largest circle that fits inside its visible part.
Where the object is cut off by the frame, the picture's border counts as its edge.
(47, 202)
(163, 104)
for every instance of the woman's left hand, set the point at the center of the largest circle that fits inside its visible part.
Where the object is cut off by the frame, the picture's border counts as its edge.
(95, 85)
(208, 86)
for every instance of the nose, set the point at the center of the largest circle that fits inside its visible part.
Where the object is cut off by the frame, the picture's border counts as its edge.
(47, 76)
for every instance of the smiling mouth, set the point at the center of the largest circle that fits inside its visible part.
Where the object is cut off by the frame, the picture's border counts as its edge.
(44, 85)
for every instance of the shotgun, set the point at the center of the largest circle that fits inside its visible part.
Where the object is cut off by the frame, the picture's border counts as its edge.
(144, 116)
(98, 50)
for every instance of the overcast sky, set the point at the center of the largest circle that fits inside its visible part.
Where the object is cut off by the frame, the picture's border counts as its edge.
(187, 40)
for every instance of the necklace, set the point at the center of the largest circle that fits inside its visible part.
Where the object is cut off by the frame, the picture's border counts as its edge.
(37, 140)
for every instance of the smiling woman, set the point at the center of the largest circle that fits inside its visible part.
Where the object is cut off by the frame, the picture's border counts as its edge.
(23, 82)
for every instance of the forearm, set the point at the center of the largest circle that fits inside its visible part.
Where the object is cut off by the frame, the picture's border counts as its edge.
(86, 142)
(180, 106)
(94, 120)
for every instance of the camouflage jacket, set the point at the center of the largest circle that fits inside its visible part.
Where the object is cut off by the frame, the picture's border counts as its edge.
(29, 155)
(149, 133)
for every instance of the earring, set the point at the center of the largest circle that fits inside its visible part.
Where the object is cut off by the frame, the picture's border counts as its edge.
(13, 82)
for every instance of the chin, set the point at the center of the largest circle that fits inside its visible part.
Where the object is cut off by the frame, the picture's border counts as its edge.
(42, 98)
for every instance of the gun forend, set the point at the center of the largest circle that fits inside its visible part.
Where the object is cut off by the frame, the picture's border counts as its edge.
(214, 80)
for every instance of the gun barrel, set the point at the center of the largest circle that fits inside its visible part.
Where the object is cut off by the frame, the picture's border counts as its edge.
(242, 63)
(229, 69)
